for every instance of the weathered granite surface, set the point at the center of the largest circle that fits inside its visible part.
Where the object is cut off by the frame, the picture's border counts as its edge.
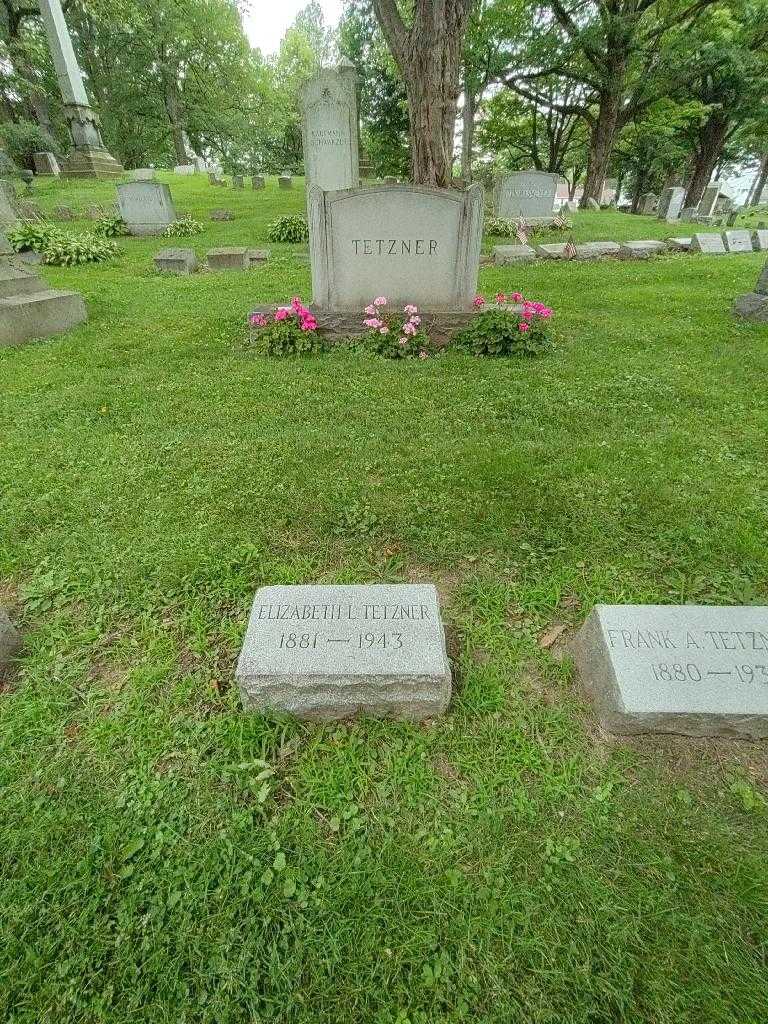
(145, 206)
(330, 128)
(596, 250)
(513, 254)
(738, 241)
(671, 203)
(642, 248)
(551, 250)
(692, 669)
(679, 244)
(330, 652)
(228, 258)
(529, 195)
(760, 239)
(176, 261)
(708, 243)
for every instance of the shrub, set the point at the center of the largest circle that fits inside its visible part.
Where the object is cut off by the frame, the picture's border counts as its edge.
(65, 250)
(292, 227)
(499, 227)
(23, 138)
(396, 334)
(497, 331)
(33, 237)
(290, 331)
(110, 226)
(184, 228)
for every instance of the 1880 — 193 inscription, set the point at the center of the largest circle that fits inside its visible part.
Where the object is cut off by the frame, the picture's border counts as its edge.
(690, 669)
(336, 651)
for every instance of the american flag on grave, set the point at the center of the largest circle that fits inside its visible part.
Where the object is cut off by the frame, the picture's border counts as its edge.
(521, 232)
(569, 252)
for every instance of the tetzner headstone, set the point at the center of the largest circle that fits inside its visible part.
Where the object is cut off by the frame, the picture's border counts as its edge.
(529, 195)
(330, 129)
(692, 669)
(327, 652)
(145, 206)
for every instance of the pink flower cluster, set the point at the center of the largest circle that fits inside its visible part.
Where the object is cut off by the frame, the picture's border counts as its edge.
(306, 320)
(530, 309)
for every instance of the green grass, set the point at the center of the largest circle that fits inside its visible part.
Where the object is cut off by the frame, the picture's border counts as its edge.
(166, 858)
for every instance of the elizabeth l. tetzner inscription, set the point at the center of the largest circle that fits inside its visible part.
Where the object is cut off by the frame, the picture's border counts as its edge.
(337, 651)
(698, 670)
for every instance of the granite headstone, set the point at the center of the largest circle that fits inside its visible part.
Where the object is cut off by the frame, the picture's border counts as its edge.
(526, 195)
(330, 129)
(145, 206)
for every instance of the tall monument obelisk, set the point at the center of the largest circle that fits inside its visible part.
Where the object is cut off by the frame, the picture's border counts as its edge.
(89, 157)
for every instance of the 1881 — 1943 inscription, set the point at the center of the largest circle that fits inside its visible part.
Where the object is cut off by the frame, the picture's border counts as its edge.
(690, 669)
(337, 651)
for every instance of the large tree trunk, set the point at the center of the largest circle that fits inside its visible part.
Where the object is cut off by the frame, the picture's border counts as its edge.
(712, 136)
(761, 178)
(467, 135)
(173, 108)
(600, 146)
(429, 57)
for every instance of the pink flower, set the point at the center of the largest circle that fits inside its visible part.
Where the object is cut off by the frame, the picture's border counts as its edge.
(308, 323)
(422, 354)
(410, 310)
(478, 301)
(409, 328)
(415, 320)
(370, 310)
(527, 314)
(258, 320)
(384, 330)
(517, 297)
(403, 341)
(500, 298)
(380, 301)
(281, 313)
(523, 326)
(545, 313)
(374, 323)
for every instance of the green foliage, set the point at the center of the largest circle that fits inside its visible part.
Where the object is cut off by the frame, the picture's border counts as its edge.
(33, 236)
(111, 226)
(68, 250)
(184, 228)
(23, 138)
(499, 227)
(497, 332)
(397, 334)
(285, 338)
(291, 227)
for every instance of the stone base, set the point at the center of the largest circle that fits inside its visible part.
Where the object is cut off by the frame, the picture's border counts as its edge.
(751, 306)
(39, 315)
(89, 162)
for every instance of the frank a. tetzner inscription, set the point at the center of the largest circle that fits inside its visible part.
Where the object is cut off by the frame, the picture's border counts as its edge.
(691, 669)
(337, 651)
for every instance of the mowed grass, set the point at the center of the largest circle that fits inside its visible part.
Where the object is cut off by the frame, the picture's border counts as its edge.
(166, 858)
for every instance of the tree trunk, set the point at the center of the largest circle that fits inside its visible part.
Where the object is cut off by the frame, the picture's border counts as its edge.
(600, 146)
(173, 108)
(760, 181)
(712, 137)
(429, 57)
(467, 135)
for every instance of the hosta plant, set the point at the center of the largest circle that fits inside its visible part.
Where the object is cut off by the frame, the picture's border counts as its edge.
(184, 228)
(66, 250)
(292, 227)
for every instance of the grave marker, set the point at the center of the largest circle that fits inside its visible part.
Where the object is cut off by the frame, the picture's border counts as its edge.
(696, 670)
(46, 164)
(330, 652)
(649, 203)
(709, 243)
(671, 203)
(529, 195)
(330, 129)
(738, 241)
(754, 305)
(708, 200)
(145, 206)
(257, 182)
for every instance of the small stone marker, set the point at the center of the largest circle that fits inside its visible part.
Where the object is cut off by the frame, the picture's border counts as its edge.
(513, 254)
(596, 250)
(708, 200)
(257, 182)
(760, 239)
(708, 243)
(222, 214)
(593, 204)
(237, 181)
(184, 169)
(10, 640)
(754, 305)
(176, 261)
(285, 181)
(738, 241)
(671, 203)
(230, 258)
(330, 652)
(680, 244)
(213, 178)
(692, 669)
(552, 250)
(146, 206)
(256, 256)
(689, 213)
(642, 249)
(526, 194)
(390, 179)
(46, 164)
(143, 174)
(649, 203)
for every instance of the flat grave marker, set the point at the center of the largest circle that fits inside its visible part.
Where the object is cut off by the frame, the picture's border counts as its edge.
(697, 670)
(738, 241)
(329, 652)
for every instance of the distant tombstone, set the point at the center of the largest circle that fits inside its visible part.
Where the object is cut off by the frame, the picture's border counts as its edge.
(694, 670)
(671, 203)
(200, 164)
(679, 244)
(738, 241)
(184, 169)
(46, 164)
(407, 242)
(529, 195)
(649, 203)
(176, 261)
(237, 181)
(503, 254)
(708, 243)
(333, 652)
(688, 213)
(760, 239)
(553, 251)
(723, 204)
(222, 214)
(145, 206)
(213, 178)
(257, 182)
(143, 174)
(708, 200)
(285, 181)
(9, 211)
(593, 204)
(330, 129)
(596, 250)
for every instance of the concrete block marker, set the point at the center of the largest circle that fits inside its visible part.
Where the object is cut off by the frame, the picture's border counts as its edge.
(641, 249)
(596, 250)
(738, 241)
(39, 314)
(330, 652)
(513, 254)
(679, 244)
(708, 243)
(551, 251)
(176, 261)
(228, 258)
(691, 669)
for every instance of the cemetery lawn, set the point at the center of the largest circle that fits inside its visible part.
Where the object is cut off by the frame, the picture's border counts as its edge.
(166, 858)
